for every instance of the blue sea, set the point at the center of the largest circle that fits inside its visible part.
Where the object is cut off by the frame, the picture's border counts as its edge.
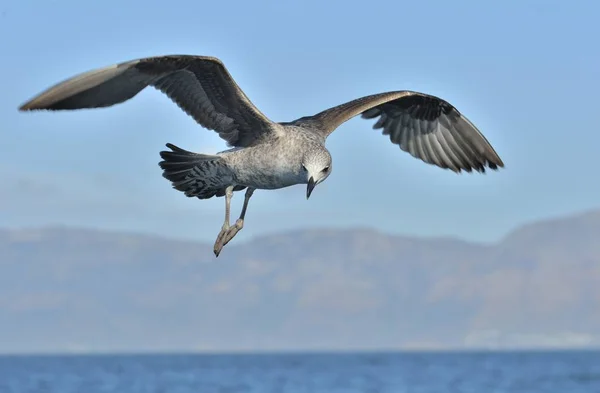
(559, 372)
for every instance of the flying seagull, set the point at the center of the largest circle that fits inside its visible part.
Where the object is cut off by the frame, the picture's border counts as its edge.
(264, 154)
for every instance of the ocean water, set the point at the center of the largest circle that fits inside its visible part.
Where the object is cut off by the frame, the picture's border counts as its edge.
(560, 372)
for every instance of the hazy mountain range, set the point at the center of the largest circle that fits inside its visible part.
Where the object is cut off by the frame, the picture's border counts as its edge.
(83, 290)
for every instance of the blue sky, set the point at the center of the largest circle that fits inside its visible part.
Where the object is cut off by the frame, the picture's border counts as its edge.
(526, 73)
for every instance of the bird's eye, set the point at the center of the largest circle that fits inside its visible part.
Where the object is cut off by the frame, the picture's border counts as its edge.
(325, 169)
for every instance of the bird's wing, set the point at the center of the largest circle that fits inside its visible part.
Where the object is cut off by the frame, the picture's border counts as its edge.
(199, 85)
(425, 126)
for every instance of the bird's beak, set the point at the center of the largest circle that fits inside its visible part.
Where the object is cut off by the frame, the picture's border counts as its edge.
(310, 187)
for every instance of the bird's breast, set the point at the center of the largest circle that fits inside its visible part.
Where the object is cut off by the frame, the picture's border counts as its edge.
(268, 167)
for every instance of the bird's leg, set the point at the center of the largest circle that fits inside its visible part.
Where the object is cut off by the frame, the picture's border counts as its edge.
(239, 223)
(231, 231)
(219, 242)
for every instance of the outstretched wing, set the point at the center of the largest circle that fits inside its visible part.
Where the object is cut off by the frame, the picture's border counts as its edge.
(199, 85)
(425, 126)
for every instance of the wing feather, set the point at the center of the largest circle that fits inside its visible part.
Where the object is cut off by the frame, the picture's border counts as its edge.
(425, 126)
(200, 85)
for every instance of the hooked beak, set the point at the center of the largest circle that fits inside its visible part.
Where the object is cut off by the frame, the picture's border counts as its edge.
(310, 187)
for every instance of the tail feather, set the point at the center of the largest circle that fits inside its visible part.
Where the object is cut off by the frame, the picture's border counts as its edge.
(196, 175)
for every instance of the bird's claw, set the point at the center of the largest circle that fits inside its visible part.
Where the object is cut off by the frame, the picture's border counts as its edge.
(226, 235)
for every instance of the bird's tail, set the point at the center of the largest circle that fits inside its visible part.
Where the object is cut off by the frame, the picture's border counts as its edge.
(196, 175)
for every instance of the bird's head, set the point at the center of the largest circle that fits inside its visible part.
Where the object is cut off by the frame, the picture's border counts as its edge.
(316, 166)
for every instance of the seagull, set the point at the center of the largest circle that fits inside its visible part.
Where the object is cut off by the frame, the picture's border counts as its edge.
(263, 154)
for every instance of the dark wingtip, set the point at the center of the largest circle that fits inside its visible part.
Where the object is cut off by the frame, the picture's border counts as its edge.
(27, 107)
(33, 105)
(496, 163)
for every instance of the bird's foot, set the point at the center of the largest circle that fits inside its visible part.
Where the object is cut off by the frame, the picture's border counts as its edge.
(219, 242)
(226, 234)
